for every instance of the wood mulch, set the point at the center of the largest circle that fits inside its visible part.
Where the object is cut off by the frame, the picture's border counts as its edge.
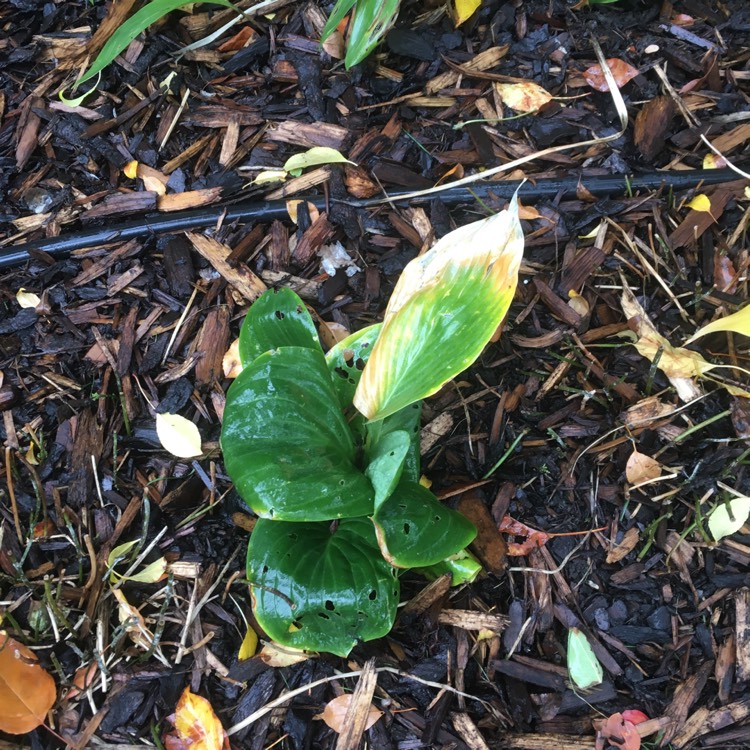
(541, 429)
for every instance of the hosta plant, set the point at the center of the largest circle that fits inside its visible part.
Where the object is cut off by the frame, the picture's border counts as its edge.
(324, 448)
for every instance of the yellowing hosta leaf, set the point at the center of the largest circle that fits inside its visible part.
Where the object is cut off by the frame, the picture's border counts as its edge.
(314, 157)
(523, 97)
(729, 517)
(465, 9)
(178, 435)
(700, 202)
(738, 322)
(678, 364)
(27, 299)
(249, 644)
(445, 308)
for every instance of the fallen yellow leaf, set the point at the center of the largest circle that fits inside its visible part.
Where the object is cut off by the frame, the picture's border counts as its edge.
(700, 202)
(178, 435)
(465, 9)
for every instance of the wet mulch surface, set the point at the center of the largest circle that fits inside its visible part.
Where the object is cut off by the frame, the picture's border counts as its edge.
(548, 429)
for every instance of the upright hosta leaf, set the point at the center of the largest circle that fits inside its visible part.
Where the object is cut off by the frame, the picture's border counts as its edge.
(286, 443)
(414, 530)
(277, 318)
(346, 361)
(387, 463)
(319, 586)
(444, 310)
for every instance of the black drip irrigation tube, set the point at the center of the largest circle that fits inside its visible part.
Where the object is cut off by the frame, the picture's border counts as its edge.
(547, 187)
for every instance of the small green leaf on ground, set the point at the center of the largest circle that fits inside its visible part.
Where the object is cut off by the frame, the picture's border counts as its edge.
(729, 517)
(583, 666)
(314, 157)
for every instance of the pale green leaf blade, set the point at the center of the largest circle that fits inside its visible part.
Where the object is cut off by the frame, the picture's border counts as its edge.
(318, 587)
(286, 443)
(119, 552)
(314, 157)
(728, 518)
(152, 573)
(738, 322)
(445, 308)
(583, 666)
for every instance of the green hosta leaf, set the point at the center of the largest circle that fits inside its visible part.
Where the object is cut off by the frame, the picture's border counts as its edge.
(129, 30)
(409, 420)
(346, 361)
(387, 463)
(320, 587)
(445, 308)
(463, 568)
(348, 358)
(583, 666)
(277, 318)
(414, 530)
(286, 444)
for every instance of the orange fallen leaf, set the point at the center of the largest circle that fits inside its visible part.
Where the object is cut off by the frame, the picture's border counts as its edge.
(196, 726)
(534, 538)
(241, 39)
(622, 72)
(27, 691)
(335, 711)
(617, 732)
(641, 468)
(523, 97)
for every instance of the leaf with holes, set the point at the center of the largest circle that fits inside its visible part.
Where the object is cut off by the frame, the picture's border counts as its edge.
(286, 443)
(27, 692)
(446, 306)
(277, 318)
(321, 587)
(346, 361)
(386, 463)
(415, 530)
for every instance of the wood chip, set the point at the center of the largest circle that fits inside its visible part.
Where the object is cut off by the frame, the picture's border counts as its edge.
(428, 596)
(684, 697)
(240, 277)
(467, 730)
(470, 620)
(358, 712)
(211, 342)
(652, 124)
(625, 547)
(434, 431)
(742, 633)
(122, 203)
(309, 135)
(190, 199)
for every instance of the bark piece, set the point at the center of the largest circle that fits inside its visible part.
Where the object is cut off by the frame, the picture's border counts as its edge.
(212, 342)
(240, 277)
(742, 633)
(651, 125)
